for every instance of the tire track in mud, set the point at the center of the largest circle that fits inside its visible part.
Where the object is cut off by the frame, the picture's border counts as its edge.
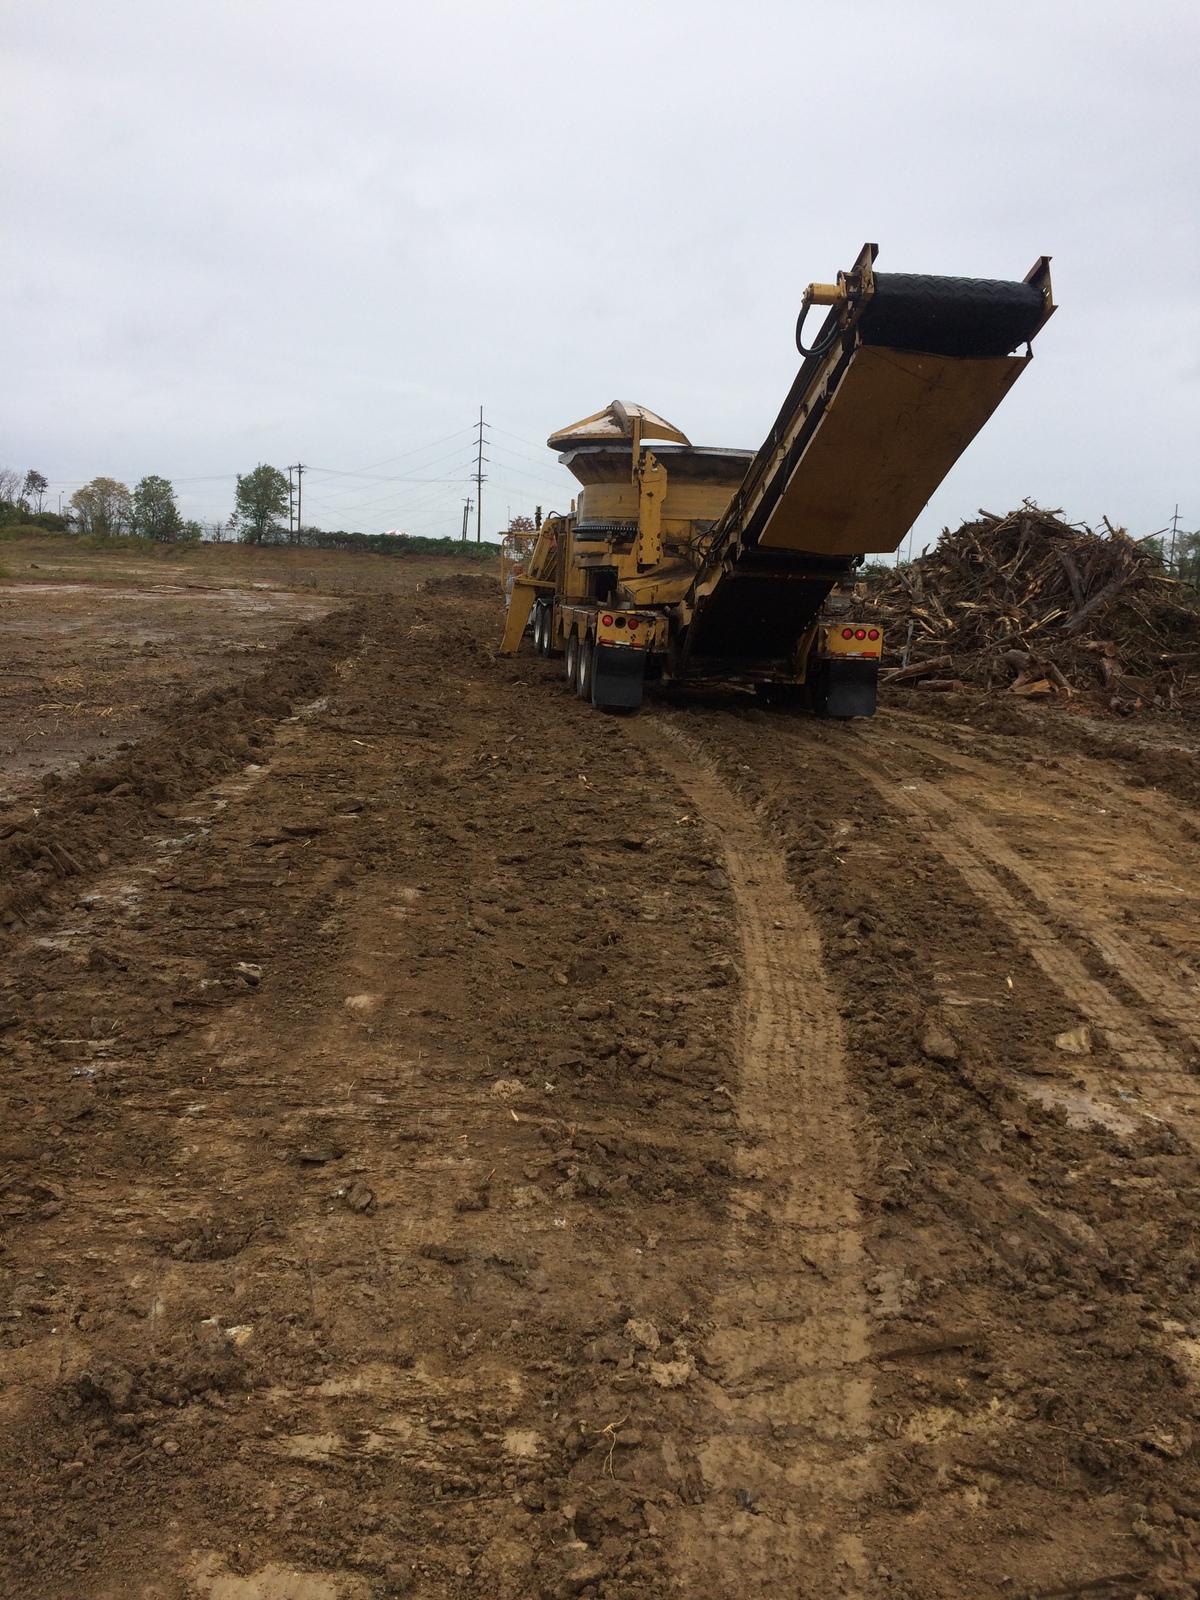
(1158, 991)
(792, 1334)
(451, 1390)
(1027, 1274)
(968, 846)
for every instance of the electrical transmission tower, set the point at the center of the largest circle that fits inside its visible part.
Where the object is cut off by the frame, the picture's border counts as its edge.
(299, 469)
(480, 458)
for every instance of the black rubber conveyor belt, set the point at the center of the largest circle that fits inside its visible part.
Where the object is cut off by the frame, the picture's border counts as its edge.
(970, 317)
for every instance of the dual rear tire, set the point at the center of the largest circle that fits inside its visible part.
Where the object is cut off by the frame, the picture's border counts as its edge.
(583, 669)
(578, 666)
(543, 626)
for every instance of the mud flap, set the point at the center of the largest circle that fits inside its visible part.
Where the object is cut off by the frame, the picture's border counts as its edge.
(618, 671)
(846, 689)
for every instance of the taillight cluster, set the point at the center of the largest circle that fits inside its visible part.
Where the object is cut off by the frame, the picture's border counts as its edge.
(610, 621)
(860, 633)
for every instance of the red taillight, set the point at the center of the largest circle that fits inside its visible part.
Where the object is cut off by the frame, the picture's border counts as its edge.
(633, 622)
(873, 633)
(861, 634)
(607, 621)
(847, 633)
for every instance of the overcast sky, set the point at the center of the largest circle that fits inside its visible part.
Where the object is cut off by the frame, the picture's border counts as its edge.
(319, 232)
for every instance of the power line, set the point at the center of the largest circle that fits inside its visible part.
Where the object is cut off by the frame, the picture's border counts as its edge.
(404, 454)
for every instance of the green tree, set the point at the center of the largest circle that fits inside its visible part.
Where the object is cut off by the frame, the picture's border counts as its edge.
(261, 501)
(1187, 557)
(155, 514)
(34, 488)
(103, 508)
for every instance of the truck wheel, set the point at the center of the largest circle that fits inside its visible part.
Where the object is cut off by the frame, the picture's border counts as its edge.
(572, 665)
(583, 673)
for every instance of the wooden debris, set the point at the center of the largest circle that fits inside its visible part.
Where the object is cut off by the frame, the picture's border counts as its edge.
(1045, 609)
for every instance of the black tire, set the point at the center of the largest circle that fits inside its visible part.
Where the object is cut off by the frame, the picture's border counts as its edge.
(572, 660)
(583, 672)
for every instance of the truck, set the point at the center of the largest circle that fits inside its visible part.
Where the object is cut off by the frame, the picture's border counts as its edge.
(689, 565)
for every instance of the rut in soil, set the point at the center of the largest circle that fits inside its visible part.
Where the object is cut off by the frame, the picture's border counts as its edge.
(789, 1461)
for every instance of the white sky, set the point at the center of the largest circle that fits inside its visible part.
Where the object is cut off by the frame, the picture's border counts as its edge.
(257, 231)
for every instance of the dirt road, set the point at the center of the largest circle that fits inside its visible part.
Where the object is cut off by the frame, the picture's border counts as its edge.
(455, 1143)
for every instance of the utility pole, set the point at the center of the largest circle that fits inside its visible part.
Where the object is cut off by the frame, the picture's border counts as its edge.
(1174, 541)
(299, 469)
(291, 506)
(479, 481)
(467, 504)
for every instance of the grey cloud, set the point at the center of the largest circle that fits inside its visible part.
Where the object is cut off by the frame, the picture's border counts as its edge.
(277, 232)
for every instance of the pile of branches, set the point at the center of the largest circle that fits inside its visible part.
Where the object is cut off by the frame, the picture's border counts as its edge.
(1040, 607)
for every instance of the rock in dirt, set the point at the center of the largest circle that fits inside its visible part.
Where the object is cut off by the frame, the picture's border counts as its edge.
(476, 1200)
(1075, 1041)
(936, 1040)
(587, 1571)
(317, 1155)
(109, 1383)
(643, 1333)
(672, 1374)
(452, 1254)
(358, 1196)
(361, 1002)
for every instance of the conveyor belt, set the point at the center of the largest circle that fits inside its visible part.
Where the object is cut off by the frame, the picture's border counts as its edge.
(902, 380)
(972, 318)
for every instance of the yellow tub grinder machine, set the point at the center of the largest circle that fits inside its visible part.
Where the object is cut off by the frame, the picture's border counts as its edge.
(694, 565)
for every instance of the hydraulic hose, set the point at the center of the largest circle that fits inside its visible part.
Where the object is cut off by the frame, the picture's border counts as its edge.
(822, 345)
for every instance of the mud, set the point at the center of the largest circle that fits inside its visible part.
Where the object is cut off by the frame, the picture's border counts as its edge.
(88, 665)
(455, 1143)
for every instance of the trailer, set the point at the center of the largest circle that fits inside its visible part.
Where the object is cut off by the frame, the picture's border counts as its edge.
(686, 564)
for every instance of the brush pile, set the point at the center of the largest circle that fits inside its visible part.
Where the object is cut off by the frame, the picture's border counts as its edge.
(1039, 607)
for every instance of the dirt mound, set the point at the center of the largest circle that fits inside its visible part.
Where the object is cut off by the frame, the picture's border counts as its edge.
(1043, 608)
(470, 585)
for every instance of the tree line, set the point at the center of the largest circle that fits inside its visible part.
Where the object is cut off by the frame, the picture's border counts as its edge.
(108, 509)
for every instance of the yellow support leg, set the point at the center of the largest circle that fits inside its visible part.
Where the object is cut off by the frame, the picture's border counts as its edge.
(524, 593)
